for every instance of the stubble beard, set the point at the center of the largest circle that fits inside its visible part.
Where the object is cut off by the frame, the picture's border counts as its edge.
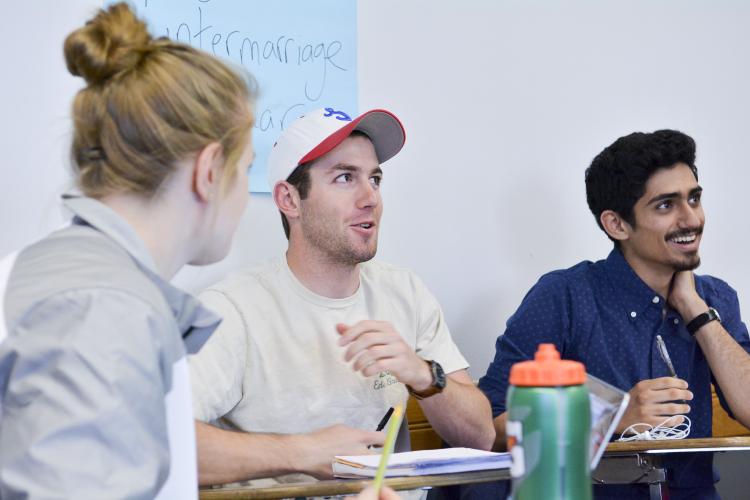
(689, 264)
(337, 247)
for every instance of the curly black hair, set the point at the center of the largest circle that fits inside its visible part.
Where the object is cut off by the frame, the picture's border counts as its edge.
(617, 177)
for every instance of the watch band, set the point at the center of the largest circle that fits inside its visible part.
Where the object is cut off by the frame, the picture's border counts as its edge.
(702, 320)
(438, 382)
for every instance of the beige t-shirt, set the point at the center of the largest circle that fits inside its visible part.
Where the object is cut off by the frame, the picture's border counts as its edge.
(274, 364)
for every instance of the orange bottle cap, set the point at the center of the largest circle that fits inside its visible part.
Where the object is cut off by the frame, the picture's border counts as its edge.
(547, 370)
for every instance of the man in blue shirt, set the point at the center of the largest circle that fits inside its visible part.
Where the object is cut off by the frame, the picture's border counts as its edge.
(643, 191)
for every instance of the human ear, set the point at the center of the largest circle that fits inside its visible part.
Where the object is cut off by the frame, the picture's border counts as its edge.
(614, 225)
(206, 171)
(287, 199)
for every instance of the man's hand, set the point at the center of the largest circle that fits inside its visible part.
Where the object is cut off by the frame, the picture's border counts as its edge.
(375, 347)
(316, 450)
(369, 494)
(684, 298)
(653, 401)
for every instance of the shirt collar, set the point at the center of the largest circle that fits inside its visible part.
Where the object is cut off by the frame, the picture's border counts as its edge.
(195, 321)
(636, 296)
(313, 297)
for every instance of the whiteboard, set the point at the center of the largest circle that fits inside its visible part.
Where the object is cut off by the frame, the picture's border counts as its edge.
(302, 55)
(505, 103)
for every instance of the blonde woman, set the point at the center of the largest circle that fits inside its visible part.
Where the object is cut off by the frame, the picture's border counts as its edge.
(93, 378)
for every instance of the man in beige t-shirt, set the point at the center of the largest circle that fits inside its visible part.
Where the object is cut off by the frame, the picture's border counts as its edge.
(316, 345)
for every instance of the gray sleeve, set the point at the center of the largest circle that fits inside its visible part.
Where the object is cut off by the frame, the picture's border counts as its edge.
(83, 399)
(217, 371)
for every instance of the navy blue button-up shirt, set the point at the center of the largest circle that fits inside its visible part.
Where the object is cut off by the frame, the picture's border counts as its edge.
(605, 316)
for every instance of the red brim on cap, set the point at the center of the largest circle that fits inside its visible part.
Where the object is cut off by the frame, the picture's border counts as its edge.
(382, 127)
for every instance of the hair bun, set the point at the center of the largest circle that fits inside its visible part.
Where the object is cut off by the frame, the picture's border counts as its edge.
(113, 41)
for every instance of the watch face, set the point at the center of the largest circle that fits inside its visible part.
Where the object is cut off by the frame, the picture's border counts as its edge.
(438, 375)
(715, 313)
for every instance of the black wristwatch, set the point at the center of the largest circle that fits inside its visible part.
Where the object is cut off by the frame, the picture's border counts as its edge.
(703, 319)
(438, 381)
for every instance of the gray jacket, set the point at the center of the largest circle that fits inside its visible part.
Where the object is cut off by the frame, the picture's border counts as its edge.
(94, 335)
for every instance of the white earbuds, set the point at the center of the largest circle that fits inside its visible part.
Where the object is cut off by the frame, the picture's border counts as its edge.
(648, 432)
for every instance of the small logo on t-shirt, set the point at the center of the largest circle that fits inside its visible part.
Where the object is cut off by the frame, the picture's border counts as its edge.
(384, 380)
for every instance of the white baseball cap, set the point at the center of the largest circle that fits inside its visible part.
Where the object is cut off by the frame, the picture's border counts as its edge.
(317, 132)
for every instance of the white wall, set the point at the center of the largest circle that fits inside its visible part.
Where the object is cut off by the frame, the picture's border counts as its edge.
(505, 104)
(35, 91)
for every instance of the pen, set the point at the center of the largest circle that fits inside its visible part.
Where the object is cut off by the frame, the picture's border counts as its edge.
(382, 423)
(665, 355)
(667, 360)
(384, 420)
(390, 440)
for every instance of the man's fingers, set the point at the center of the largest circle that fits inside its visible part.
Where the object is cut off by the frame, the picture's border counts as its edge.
(366, 494)
(669, 409)
(658, 384)
(364, 342)
(373, 354)
(369, 494)
(351, 333)
(667, 395)
(370, 340)
(657, 414)
(374, 438)
(660, 390)
(672, 421)
(348, 333)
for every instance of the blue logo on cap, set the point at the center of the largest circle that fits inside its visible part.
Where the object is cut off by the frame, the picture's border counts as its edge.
(339, 115)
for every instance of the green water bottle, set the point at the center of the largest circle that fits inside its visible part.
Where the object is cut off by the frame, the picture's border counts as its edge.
(548, 427)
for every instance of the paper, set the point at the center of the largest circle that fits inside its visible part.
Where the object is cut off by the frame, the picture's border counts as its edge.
(421, 463)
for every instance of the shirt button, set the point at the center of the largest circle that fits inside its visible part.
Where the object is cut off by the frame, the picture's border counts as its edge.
(633, 314)
(655, 300)
(676, 321)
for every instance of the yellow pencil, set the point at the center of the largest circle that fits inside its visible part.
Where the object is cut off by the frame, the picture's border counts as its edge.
(390, 441)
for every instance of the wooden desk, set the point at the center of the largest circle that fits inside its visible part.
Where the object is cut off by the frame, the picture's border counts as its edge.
(641, 461)
(670, 445)
(622, 463)
(351, 486)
